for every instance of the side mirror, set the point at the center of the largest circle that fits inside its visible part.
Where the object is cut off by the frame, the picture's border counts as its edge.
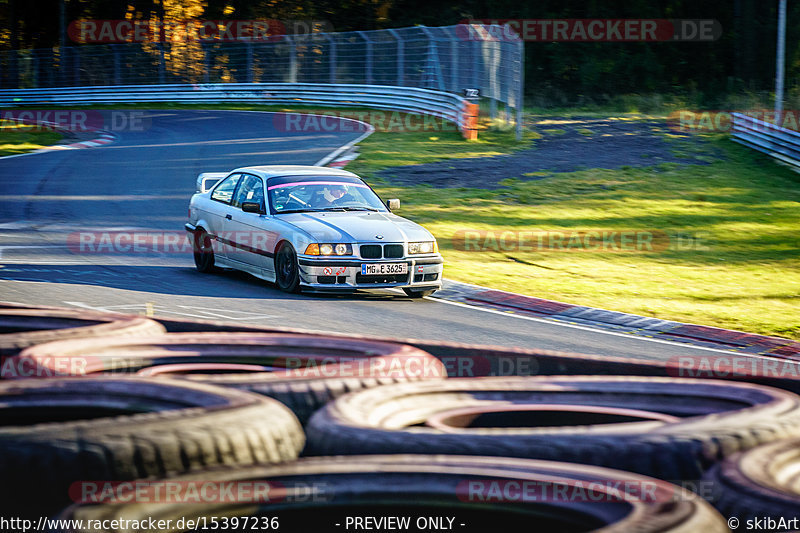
(393, 204)
(252, 207)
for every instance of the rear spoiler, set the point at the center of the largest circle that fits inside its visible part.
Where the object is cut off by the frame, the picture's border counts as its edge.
(207, 180)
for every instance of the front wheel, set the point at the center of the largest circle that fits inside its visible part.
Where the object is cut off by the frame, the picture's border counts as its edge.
(203, 253)
(287, 271)
(411, 293)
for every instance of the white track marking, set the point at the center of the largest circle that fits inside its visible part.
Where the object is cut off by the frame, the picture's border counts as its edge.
(85, 306)
(207, 312)
(631, 336)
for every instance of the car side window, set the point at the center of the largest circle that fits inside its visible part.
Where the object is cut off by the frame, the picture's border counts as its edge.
(224, 191)
(251, 189)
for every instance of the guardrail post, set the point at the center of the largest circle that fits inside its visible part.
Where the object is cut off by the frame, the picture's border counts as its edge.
(368, 65)
(332, 58)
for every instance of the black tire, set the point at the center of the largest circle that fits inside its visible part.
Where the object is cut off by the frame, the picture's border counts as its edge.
(287, 269)
(411, 293)
(204, 253)
(762, 482)
(59, 431)
(421, 486)
(475, 360)
(321, 367)
(23, 327)
(717, 420)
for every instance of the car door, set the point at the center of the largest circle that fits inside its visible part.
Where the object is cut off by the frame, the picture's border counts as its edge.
(220, 209)
(253, 241)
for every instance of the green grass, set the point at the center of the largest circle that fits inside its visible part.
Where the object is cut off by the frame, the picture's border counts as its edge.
(383, 150)
(726, 249)
(17, 139)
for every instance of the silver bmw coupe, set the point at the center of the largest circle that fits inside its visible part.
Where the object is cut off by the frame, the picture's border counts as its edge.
(309, 228)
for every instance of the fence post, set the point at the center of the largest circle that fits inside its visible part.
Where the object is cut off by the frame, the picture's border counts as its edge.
(249, 52)
(292, 59)
(521, 89)
(477, 63)
(206, 63)
(433, 59)
(492, 79)
(76, 68)
(400, 54)
(13, 67)
(454, 62)
(368, 66)
(162, 63)
(36, 67)
(115, 50)
(332, 59)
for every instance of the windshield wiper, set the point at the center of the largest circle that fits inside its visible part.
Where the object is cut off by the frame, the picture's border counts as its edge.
(318, 209)
(303, 210)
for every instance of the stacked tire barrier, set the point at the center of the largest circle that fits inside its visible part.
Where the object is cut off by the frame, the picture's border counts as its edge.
(101, 412)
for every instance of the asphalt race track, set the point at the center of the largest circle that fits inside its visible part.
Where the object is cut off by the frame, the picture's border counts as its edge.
(144, 182)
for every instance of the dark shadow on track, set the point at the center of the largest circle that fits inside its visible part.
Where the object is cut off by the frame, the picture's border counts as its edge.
(175, 280)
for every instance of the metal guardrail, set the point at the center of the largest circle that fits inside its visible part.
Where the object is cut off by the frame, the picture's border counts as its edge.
(779, 143)
(444, 105)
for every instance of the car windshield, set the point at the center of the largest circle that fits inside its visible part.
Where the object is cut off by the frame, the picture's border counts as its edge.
(307, 194)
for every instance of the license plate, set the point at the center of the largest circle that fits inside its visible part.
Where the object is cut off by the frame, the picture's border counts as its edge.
(377, 269)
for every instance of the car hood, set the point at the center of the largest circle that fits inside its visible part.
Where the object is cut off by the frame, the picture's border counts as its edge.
(361, 226)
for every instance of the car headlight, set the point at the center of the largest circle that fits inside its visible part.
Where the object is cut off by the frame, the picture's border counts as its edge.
(426, 247)
(329, 249)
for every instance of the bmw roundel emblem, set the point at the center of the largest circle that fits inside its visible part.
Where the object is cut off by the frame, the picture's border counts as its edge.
(379, 236)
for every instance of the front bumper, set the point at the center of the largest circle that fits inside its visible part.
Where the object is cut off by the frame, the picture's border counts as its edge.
(332, 274)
